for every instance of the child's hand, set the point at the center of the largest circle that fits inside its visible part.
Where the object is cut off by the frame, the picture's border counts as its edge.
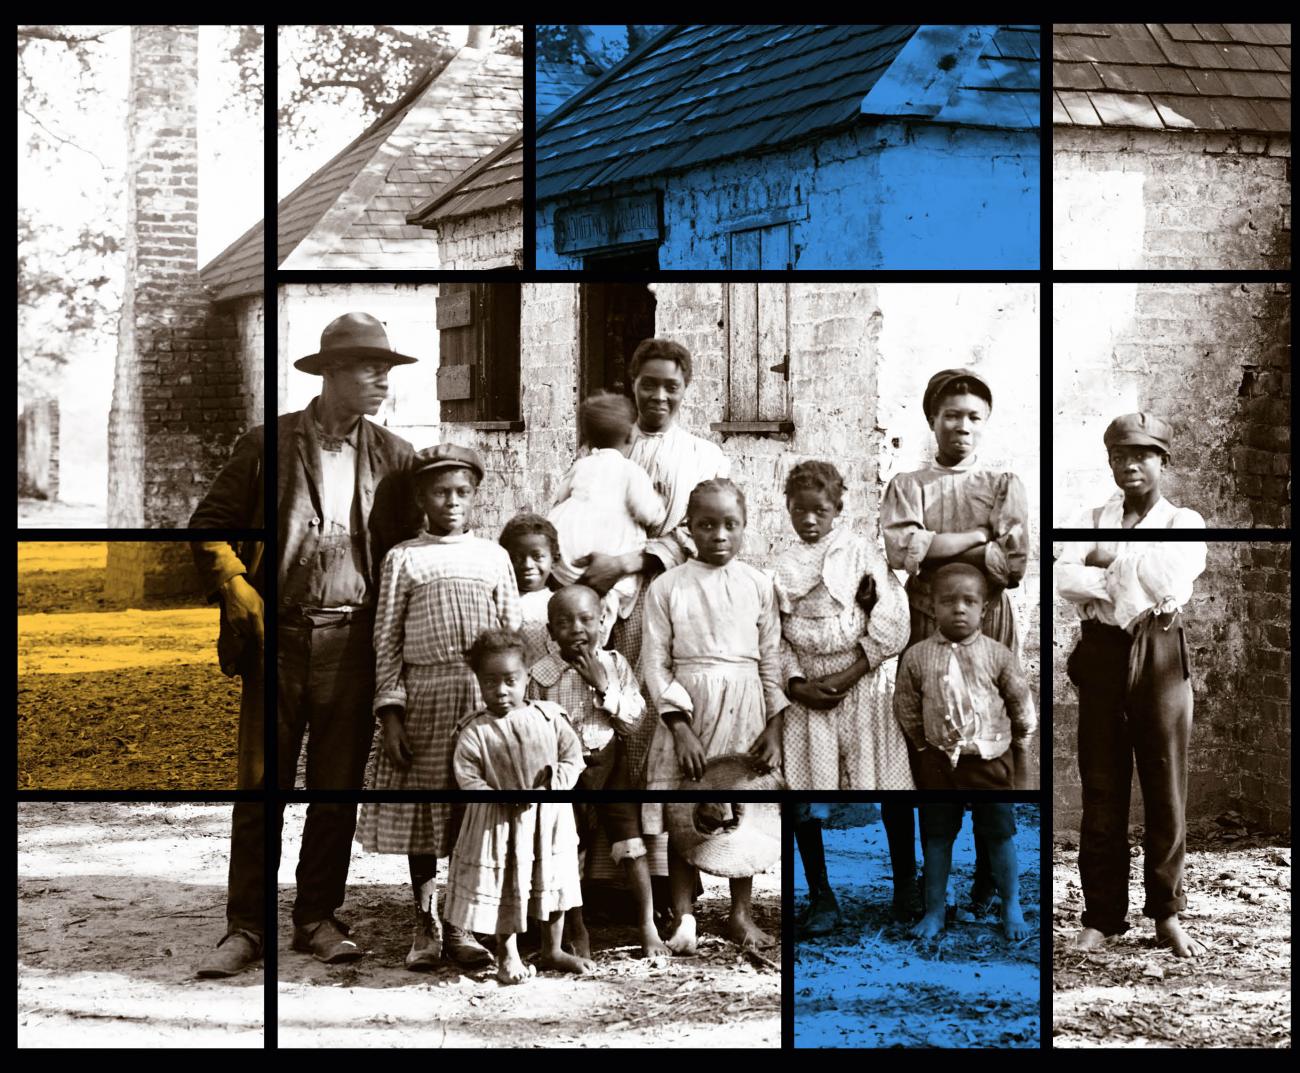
(690, 750)
(814, 694)
(396, 742)
(1020, 764)
(767, 746)
(587, 664)
(1099, 557)
(866, 594)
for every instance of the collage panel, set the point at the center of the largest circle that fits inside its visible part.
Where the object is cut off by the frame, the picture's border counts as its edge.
(622, 924)
(1171, 146)
(117, 902)
(1171, 405)
(787, 147)
(130, 677)
(140, 356)
(886, 957)
(1171, 795)
(400, 148)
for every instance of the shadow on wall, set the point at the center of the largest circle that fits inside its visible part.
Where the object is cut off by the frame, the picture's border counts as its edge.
(1239, 639)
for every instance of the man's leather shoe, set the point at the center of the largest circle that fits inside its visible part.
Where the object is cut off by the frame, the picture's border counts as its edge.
(233, 954)
(326, 941)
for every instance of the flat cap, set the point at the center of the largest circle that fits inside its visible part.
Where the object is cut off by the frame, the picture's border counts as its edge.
(1138, 430)
(936, 388)
(448, 456)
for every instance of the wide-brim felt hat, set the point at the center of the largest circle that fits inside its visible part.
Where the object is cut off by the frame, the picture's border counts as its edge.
(730, 840)
(353, 337)
(938, 383)
(1138, 430)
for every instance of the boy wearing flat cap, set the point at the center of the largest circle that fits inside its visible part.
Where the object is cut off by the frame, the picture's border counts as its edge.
(1133, 674)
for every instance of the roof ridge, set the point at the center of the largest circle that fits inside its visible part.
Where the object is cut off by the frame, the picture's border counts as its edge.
(479, 166)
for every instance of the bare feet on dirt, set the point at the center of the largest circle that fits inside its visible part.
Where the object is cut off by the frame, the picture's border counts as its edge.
(1169, 932)
(928, 926)
(1088, 939)
(651, 945)
(564, 962)
(682, 941)
(510, 967)
(1013, 924)
(742, 931)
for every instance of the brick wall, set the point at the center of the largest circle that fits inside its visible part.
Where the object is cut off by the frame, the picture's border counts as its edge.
(481, 240)
(1146, 199)
(38, 449)
(893, 195)
(1210, 358)
(139, 572)
(181, 393)
(1239, 638)
(1261, 465)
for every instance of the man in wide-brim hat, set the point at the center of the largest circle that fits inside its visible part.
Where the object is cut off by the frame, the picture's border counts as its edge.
(343, 499)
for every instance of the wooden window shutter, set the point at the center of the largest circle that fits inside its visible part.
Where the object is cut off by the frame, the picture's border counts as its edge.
(459, 363)
(479, 358)
(757, 324)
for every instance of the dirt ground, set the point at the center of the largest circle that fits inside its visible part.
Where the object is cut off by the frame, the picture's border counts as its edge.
(116, 699)
(720, 999)
(1132, 993)
(55, 514)
(871, 985)
(116, 905)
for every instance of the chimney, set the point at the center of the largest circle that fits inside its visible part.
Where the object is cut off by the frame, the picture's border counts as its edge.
(479, 37)
(169, 379)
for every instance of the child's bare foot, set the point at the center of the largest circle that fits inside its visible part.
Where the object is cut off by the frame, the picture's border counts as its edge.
(512, 970)
(1088, 939)
(651, 945)
(1013, 923)
(1170, 933)
(682, 941)
(579, 939)
(564, 962)
(742, 931)
(929, 925)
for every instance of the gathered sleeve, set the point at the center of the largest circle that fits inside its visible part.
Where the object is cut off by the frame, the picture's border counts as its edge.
(467, 761)
(569, 763)
(644, 504)
(890, 623)
(1014, 689)
(1159, 575)
(790, 665)
(622, 700)
(770, 664)
(1006, 556)
(390, 617)
(663, 690)
(505, 594)
(907, 697)
(902, 524)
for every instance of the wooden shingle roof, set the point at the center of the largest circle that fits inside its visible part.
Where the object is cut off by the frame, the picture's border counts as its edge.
(1173, 76)
(696, 94)
(351, 213)
(492, 183)
(556, 83)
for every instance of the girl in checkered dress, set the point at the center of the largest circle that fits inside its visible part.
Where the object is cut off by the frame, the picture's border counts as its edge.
(437, 593)
(843, 616)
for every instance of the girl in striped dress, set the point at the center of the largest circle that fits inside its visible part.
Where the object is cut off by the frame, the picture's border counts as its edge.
(437, 593)
(515, 861)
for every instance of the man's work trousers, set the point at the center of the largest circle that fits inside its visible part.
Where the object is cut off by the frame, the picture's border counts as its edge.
(1135, 702)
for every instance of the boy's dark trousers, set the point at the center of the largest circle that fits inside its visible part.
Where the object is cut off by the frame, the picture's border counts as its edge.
(1135, 702)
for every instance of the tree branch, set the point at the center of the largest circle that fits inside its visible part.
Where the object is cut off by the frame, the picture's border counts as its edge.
(59, 138)
(51, 33)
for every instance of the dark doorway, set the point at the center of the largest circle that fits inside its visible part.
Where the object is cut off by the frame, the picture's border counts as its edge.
(615, 318)
(643, 258)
